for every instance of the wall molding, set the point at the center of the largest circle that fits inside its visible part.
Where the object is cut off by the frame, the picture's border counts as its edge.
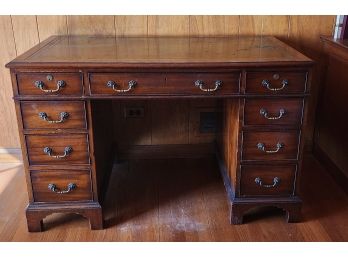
(10, 155)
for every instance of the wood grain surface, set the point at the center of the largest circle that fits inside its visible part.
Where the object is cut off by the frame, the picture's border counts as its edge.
(179, 201)
(8, 124)
(19, 33)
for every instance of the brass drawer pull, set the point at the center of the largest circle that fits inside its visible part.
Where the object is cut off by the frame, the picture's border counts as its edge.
(67, 150)
(264, 113)
(259, 182)
(262, 147)
(268, 85)
(113, 85)
(200, 85)
(55, 189)
(62, 116)
(40, 85)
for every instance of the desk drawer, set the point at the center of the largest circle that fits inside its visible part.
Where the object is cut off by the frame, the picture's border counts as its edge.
(267, 180)
(53, 115)
(203, 83)
(61, 185)
(273, 112)
(126, 83)
(276, 82)
(57, 149)
(270, 145)
(49, 84)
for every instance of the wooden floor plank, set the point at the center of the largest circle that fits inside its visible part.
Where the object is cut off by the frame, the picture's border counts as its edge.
(181, 213)
(179, 200)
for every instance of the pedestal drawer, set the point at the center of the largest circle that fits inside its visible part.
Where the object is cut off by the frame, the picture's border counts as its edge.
(61, 185)
(53, 115)
(273, 112)
(270, 145)
(49, 84)
(57, 149)
(276, 82)
(267, 180)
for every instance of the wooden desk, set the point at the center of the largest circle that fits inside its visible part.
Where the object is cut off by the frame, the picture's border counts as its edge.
(66, 134)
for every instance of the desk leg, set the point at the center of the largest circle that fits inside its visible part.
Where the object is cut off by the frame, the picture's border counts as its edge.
(95, 218)
(236, 215)
(240, 207)
(293, 213)
(34, 221)
(37, 212)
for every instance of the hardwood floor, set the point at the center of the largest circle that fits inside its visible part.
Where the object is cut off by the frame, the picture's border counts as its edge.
(179, 200)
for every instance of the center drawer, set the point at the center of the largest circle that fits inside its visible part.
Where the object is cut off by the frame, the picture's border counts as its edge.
(203, 83)
(270, 145)
(57, 149)
(53, 115)
(61, 185)
(184, 83)
(126, 83)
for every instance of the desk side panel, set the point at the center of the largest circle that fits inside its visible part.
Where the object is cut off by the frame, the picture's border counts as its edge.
(229, 142)
(102, 149)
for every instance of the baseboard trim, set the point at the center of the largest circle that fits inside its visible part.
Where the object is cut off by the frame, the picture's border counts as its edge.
(331, 167)
(165, 151)
(10, 155)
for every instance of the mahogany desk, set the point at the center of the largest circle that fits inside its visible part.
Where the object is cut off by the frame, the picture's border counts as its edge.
(66, 134)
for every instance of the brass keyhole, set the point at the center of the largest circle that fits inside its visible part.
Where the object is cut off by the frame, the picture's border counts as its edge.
(276, 76)
(49, 77)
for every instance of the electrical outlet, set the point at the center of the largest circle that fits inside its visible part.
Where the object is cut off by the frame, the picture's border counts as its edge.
(134, 112)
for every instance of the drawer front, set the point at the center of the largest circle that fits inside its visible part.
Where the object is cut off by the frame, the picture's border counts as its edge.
(57, 149)
(53, 115)
(203, 83)
(61, 185)
(273, 112)
(276, 82)
(50, 84)
(126, 83)
(270, 145)
(267, 180)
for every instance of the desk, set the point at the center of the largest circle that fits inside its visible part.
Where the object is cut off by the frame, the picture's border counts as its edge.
(63, 89)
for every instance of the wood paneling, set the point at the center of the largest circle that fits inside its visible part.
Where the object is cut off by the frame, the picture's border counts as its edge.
(25, 32)
(49, 25)
(170, 25)
(170, 123)
(196, 107)
(22, 32)
(91, 25)
(8, 123)
(281, 30)
(250, 25)
(132, 131)
(214, 25)
(131, 25)
(304, 31)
